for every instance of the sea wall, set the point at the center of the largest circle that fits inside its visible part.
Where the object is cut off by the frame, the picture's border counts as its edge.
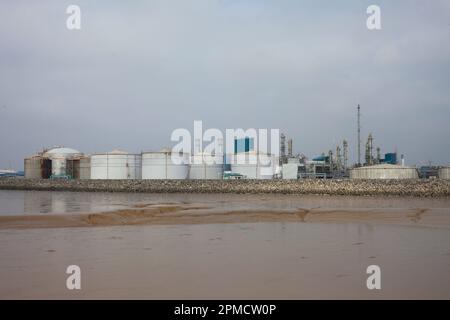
(416, 188)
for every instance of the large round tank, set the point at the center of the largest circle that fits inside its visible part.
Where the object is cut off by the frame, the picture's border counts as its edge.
(201, 169)
(32, 167)
(384, 171)
(59, 157)
(444, 173)
(159, 165)
(115, 165)
(254, 165)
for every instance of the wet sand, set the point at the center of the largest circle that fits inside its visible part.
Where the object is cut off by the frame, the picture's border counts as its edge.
(231, 247)
(239, 261)
(201, 214)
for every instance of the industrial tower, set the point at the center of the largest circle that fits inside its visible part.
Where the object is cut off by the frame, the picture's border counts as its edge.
(345, 146)
(359, 136)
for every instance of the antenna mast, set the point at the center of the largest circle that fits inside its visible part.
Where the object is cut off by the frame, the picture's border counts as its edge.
(359, 136)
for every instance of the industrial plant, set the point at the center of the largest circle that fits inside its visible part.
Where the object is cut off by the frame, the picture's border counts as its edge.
(244, 162)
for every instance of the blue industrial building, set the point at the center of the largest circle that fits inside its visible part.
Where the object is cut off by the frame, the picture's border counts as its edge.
(390, 158)
(244, 145)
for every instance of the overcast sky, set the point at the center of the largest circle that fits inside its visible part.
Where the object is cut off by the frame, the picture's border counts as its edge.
(137, 70)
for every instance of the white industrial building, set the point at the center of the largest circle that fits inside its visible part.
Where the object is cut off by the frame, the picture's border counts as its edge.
(289, 170)
(252, 165)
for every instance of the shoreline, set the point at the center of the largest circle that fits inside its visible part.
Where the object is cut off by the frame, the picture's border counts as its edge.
(434, 188)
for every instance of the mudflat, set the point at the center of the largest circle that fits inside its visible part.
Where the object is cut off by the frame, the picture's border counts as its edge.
(179, 246)
(199, 214)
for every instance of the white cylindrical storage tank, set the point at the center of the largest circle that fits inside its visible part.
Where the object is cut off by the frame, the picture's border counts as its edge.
(159, 165)
(254, 165)
(32, 166)
(384, 171)
(115, 165)
(203, 167)
(444, 173)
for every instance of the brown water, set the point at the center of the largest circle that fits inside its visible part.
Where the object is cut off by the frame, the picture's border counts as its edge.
(54, 202)
(276, 260)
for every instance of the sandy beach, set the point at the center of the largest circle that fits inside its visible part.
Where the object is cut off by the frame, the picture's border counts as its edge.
(177, 246)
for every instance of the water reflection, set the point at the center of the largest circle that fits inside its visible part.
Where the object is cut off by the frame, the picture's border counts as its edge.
(55, 202)
(42, 202)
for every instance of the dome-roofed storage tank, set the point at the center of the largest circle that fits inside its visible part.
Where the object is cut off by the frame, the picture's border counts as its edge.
(116, 164)
(51, 163)
(203, 167)
(384, 171)
(159, 165)
(254, 165)
(444, 173)
(59, 157)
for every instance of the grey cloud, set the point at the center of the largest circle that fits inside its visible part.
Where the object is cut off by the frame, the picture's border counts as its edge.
(138, 70)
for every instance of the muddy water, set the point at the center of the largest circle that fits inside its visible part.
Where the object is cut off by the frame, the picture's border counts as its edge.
(47, 202)
(277, 260)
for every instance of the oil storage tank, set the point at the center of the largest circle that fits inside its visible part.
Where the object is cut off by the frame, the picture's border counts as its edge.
(116, 164)
(444, 173)
(59, 157)
(202, 167)
(33, 167)
(85, 168)
(254, 165)
(159, 165)
(384, 171)
(55, 162)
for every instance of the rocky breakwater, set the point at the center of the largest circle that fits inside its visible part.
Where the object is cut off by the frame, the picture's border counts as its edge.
(416, 188)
